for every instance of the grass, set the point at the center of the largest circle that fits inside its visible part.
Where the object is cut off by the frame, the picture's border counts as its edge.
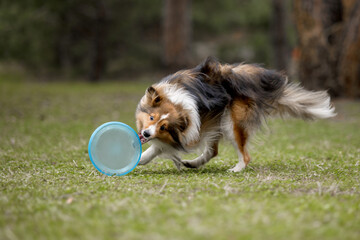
(303, 182)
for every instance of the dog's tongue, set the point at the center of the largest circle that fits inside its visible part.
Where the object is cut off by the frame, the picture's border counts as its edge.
(142, 138)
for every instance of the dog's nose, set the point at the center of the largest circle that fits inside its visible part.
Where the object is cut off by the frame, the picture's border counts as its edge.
(146, 134)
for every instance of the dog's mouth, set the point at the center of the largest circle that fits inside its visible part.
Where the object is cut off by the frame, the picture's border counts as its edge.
(143, 139)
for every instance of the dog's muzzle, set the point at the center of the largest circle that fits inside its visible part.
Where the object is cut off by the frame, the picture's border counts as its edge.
(143, 139)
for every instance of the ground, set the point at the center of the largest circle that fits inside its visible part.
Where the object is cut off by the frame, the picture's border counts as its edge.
(303, 181)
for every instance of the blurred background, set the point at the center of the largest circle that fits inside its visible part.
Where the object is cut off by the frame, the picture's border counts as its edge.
(68, 66)
(316, 42)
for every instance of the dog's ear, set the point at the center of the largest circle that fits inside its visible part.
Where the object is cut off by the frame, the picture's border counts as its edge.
(209, 66)
(154, 99)
(183, 123)
(150, 90)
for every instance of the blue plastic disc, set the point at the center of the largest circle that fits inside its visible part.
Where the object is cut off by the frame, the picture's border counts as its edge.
(114, 149)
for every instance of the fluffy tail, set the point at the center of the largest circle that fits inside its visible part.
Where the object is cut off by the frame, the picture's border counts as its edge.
(298, 102)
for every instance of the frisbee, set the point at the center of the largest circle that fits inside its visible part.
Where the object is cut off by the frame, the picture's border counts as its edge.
(114, 149)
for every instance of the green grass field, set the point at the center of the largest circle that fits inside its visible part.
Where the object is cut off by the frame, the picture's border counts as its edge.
(303, 181)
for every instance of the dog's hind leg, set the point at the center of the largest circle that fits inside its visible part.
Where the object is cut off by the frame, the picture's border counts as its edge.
(210, 152)
(177, 162)
(234, 122)
(241, 137)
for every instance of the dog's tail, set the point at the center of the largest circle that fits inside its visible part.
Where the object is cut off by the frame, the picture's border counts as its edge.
(298, 102)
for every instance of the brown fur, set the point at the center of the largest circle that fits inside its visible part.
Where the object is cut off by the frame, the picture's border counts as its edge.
(241, 114)
(215, 148)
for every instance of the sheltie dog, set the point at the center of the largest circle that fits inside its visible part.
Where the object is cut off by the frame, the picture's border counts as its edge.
(193, 109)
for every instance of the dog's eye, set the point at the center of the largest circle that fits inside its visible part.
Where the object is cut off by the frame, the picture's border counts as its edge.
(162, 128)
(151, 118)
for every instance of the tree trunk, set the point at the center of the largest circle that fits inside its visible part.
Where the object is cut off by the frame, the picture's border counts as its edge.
(349, 55)
(176, 33)
(278, 35)
(98, 58)
(63, 44)
(329, 45)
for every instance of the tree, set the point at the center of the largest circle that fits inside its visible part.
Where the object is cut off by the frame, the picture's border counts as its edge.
(349, 55)
(278, 34)
(176, 33)
(329, 40)
(98, 56)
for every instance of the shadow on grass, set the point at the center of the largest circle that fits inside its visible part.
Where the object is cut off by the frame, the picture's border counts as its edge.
(262, 168)
(207, 170)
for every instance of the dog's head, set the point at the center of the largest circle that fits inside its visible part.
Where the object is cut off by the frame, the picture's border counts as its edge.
(169, 110)
(158, 118)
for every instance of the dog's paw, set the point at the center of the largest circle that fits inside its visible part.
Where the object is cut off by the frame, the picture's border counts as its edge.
(177, 165)
(237, 168)
(189, 164)
(142, 162)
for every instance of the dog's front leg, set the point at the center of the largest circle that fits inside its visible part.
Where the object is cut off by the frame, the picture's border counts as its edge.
(177, 162)
(149, 155)
(210, 152)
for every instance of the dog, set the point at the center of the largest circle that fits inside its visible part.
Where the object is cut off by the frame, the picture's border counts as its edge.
(193, 109)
